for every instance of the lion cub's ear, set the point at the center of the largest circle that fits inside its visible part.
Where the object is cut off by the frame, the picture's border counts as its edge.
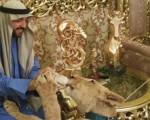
(114, 98)
(107, 100)
(110, 98)
(104, 109)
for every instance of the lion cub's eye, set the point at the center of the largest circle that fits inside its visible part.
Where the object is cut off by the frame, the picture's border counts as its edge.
(92, 81)
(70, 86)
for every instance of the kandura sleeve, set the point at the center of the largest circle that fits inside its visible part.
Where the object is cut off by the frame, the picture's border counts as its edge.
(9, 85)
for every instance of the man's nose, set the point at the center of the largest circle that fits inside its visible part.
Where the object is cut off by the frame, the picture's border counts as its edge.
(23, 23)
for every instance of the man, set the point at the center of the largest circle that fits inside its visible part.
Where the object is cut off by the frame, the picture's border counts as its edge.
(17, 63)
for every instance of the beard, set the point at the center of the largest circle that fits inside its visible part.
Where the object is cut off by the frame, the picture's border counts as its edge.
(19, 31)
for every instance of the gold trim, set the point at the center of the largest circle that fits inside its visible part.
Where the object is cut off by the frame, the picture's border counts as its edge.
(46, 7)
(136, 109)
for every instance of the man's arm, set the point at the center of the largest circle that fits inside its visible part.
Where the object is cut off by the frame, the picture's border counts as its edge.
(9, 85)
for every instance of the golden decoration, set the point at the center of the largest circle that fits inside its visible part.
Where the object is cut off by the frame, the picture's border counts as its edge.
(71, 40)
(43, 8)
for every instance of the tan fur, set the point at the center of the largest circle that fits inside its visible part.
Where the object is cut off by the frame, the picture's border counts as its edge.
(89, 95)
(13, 110)
(46, 89)
(92, 96)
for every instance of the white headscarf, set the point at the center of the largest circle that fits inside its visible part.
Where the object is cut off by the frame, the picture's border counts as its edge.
(25, 43)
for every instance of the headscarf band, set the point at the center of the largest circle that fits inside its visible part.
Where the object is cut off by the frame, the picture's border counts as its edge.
(14, 11)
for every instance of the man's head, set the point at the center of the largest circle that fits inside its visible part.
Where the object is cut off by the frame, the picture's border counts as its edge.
(19, 25)
(18, 14)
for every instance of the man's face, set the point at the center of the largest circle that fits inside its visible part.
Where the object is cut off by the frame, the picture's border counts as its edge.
(19, 25)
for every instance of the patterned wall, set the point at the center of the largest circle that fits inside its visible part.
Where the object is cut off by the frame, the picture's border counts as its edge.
(93, 19)
(94, 23)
